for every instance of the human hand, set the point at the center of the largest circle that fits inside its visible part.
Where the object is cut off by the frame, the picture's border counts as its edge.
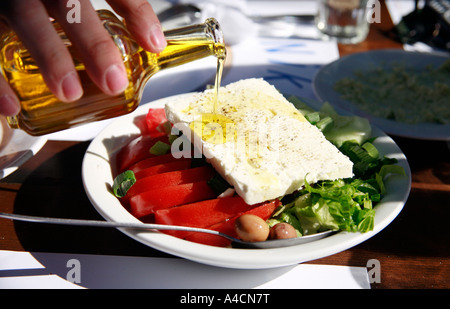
(30, 20)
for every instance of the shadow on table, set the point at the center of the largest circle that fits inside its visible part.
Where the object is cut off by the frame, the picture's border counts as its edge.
(55, 189)
(137, 272)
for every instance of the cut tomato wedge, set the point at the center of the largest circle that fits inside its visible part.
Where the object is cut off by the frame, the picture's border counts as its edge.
(146, 203)
(263, 211)
(201, 214)
(138, 149)
(152, 161)
(177, 165)
(168, 179)
(154, 118)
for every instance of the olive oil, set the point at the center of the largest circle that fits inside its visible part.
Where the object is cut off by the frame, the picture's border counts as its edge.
(42, 113)
(215, 127)
(219, 71)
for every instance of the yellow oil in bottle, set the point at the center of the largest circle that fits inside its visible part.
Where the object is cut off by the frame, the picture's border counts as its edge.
(42, 113)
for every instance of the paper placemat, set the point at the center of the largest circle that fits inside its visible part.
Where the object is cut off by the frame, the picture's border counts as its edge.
(55, 270)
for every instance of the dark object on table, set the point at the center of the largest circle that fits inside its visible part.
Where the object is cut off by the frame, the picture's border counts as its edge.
(430, 25)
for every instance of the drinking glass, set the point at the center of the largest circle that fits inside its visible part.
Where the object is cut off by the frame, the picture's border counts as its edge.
(344, 21)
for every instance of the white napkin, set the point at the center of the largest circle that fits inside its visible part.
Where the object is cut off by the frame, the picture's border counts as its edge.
(53, 270)
(237, 25)
(262, 7)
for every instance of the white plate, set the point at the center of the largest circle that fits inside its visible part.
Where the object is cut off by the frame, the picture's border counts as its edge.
(98, 177)
(16, 147)
(328, 75)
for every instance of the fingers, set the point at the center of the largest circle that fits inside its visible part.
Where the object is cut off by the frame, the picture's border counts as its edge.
(101, 57)
(30, 21)
(9, 105)
(143, 23)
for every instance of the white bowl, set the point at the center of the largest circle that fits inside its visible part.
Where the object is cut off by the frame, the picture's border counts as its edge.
(98, 177)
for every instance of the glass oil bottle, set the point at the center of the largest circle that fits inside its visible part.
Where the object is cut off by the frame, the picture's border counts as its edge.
(42, 113)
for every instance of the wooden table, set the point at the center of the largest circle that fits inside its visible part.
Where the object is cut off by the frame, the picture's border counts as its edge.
(413, 251)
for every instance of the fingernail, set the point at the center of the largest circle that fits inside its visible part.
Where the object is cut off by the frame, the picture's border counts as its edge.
(157, 38)
(9, 105)
(116, 79)
(71, 87)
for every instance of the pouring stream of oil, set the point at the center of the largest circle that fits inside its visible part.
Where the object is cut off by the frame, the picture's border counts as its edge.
(213, 126)
(218, 80)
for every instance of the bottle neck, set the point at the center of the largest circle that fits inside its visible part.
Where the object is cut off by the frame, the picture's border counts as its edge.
(191, 43)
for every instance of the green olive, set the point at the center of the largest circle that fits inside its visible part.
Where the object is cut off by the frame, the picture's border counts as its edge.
(251, 228)
(282, 231)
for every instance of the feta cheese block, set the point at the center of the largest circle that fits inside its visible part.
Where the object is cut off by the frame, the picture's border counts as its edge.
(257, 140)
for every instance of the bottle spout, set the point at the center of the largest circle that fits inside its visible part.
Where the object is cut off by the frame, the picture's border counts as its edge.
(214, 29)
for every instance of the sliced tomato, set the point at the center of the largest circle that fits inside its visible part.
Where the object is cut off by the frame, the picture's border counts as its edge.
(263, 211)
(151, 161)
(141, 124)
(214, 240)
(201, 214)
(170, 179)
(177, 165)
(146, 203)
(154, 118)
(138, 149)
